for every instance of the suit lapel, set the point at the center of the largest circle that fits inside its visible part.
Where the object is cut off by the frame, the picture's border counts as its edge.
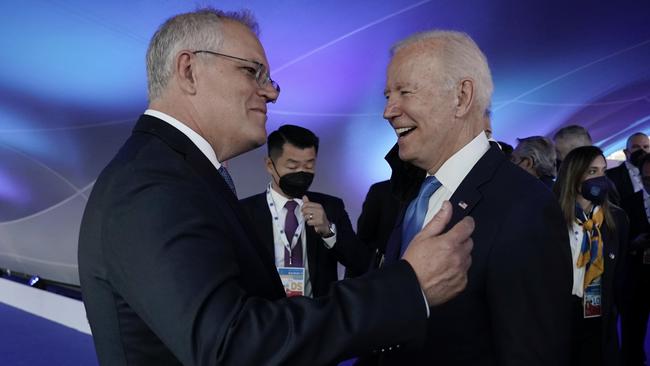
(610, 252)
(312, 247)
(263, 223)
(467, 195)
(209, 174)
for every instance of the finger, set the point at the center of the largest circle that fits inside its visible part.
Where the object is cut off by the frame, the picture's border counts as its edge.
(439, 221)
(461, 231)
(305, 199)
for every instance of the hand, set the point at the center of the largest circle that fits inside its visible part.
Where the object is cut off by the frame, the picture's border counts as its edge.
(315, 216)
(441, 261)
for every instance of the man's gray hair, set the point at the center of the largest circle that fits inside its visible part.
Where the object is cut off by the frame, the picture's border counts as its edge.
(541, 151)
(574, 132)
(189, 31)
(460, 58)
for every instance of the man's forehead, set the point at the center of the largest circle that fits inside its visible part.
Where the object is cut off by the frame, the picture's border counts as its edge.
(239, 38)
(640, 140)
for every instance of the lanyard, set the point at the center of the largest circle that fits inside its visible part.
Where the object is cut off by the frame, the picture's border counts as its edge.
(276, 223)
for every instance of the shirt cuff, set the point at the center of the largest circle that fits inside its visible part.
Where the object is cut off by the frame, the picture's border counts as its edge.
(329, 242)
(426, 303)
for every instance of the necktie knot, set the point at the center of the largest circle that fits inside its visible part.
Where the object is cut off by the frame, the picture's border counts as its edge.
(291, 205)
(226, 177)
(429, 186)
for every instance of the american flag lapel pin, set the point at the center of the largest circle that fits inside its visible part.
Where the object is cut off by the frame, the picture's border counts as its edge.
(462, 204)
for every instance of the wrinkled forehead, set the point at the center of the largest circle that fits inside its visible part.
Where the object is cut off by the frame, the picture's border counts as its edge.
(413, 64)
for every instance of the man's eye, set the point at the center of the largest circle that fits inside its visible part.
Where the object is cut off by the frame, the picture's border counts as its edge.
(404, 92)
(249, 70)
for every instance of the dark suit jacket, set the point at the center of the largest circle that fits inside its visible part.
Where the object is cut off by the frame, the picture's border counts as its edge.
(348, 250)
(378, 217)
(622, 181)
(171, 274)
(516, 309)
(614, 253)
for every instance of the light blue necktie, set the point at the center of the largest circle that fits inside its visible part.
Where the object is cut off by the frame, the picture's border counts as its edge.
(417, 210)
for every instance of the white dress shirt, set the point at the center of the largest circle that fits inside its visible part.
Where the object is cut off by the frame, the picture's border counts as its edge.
(278, 244)
(454, 171)
(576, 236)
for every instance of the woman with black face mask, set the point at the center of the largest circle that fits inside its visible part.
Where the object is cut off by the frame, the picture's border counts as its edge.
(598, 233)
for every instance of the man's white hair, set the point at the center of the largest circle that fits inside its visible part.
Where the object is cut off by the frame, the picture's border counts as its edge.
(460, 58)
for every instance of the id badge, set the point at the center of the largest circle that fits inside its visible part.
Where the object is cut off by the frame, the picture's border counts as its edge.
(646, 256)
(592, 300)
(293, 280)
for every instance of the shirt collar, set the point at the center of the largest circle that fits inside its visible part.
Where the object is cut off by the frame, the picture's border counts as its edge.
(456, 168)
(630, 167)
(281, 200)
(201, 143)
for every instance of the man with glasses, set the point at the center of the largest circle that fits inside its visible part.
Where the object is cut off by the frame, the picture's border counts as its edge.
(170, 270)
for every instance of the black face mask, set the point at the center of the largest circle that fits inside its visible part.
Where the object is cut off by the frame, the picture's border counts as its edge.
(296, 184)
(595, 189)
(636, 157)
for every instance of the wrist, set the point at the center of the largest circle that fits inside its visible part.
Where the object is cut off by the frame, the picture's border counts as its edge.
(329, 232)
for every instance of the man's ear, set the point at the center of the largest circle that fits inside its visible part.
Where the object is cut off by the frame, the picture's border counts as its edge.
(527, 163)
(464, 97)
(185, 71)
(268, 164)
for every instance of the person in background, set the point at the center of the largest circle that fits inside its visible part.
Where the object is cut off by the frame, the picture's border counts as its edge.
(377, 220)
(536, 155)
(636, 300)
(598, 232)
(626, 176)
(308, 232)
(568, 138)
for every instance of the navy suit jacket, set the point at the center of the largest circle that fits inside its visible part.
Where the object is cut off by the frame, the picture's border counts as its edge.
(621, 179)
(377, 220)
(171, 273)
(615, 244)
(348, 250)
(516, 309)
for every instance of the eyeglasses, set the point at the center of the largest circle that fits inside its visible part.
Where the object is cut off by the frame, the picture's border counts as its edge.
(259, 73)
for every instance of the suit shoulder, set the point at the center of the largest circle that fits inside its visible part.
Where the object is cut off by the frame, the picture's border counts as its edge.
(324, 198)
(617, 170)
(521, 184)
(253, 198)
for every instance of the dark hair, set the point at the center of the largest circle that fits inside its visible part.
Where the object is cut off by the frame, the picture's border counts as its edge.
(295, 135)
(629, 139)
(569, 179)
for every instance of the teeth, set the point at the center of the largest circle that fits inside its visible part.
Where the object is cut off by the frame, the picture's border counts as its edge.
(402, 130)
